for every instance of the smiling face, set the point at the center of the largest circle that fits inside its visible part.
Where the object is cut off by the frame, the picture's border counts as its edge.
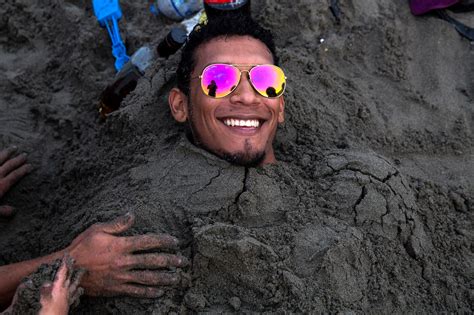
(239, 127)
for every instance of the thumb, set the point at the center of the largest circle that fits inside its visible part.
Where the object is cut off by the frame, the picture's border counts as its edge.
(119, 225)
(6, 212)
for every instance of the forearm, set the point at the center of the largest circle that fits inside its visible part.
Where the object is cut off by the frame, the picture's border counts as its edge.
(11, 275)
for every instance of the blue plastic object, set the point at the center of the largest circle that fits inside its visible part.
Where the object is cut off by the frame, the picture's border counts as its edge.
(108, 14)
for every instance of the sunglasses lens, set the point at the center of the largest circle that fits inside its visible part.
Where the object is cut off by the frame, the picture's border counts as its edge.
(219, 80)
(268, 80)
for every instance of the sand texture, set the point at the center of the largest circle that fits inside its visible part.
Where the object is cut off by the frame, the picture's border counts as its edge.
(370, 209)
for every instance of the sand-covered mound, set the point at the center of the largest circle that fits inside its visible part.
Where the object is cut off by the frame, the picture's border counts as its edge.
(370, 209)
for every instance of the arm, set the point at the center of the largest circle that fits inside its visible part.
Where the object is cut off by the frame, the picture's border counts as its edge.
(109, 261)
(12, 169)
(56, 296)
(11, 275)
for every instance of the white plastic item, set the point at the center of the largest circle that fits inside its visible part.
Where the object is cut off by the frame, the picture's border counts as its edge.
(143, 58)
(178, 9)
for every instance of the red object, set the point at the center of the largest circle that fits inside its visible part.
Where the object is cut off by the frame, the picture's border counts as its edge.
(215, 8)
(218, 1)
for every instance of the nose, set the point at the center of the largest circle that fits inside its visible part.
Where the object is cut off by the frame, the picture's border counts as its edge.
(244, 93)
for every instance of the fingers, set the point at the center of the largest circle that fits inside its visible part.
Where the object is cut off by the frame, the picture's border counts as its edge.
(6, 212)
(151, 241)
(56, 297)
(138, 291)
(12, 164)
(6, 153)
(10, 179)
(46, 292)
(151, 278)
(154, 261)
(62, 277)
(74, 299)
(76, 280)
(119, 225)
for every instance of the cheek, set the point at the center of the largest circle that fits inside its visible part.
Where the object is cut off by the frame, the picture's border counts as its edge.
(202, 114)
(277, 109)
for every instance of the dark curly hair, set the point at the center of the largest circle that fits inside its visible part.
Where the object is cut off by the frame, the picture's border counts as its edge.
(225, 26)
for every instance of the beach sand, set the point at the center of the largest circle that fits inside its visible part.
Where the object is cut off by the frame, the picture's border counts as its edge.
(369, 210)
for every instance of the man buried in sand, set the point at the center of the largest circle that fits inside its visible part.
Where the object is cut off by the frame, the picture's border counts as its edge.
(229, 93)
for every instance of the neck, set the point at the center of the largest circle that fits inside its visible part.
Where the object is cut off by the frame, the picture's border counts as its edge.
(269, 158)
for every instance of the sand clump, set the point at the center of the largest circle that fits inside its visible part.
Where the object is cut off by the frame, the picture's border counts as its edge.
(369, 210)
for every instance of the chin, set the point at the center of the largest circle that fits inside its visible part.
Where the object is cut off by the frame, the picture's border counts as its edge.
(248, 159)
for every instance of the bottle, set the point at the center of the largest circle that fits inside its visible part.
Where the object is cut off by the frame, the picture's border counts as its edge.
(215, 8)
(176, 10)
(126, 80)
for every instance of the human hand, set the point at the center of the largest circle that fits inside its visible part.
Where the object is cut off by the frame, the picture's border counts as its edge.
(12, 169)
(111, 263)
(64, 291)
(55, 297)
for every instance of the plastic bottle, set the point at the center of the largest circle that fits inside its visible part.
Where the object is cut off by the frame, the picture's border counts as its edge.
(176, 10)
(127, 79)
(216, 8)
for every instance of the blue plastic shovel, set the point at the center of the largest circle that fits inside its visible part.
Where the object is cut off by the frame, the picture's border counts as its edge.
(108, 14)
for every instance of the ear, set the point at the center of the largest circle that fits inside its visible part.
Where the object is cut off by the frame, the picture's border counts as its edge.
(281, 114)
(178, 103)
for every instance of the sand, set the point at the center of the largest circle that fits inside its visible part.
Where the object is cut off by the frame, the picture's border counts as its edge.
(370, 209)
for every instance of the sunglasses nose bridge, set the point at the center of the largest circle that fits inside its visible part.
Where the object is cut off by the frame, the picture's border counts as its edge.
(245, 92)
(246, 76)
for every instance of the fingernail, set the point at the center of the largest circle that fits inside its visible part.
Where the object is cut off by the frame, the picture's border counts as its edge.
(24, 154)
(14, 148)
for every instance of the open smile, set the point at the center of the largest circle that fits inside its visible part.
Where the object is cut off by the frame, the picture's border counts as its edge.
(235, 122)
(243, 126)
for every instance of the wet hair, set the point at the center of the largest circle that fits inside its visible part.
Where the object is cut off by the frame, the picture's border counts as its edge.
(225, 26)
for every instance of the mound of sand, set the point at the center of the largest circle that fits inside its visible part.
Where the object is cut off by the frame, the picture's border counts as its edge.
(370, 209)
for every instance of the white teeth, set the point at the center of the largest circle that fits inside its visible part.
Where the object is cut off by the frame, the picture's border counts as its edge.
(244, 123)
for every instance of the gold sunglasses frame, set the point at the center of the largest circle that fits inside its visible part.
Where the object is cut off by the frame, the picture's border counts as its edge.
(237, 65)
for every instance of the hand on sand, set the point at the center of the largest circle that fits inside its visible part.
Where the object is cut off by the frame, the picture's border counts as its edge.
(12, 169)
(111, 263)
(56, 297)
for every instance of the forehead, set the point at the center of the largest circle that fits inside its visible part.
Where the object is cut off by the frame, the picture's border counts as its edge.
(233, 50)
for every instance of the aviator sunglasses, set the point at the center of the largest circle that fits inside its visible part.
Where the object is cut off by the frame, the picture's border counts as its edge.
(219, 80)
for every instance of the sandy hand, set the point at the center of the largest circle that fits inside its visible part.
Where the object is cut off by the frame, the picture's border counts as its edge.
(56, 297)
(110, 260)
(12, 169)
